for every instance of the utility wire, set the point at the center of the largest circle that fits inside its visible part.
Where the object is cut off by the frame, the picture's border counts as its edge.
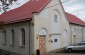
(50, 6)
(65, 1)
(57, 4)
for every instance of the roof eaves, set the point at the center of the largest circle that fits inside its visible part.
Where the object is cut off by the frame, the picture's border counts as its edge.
(17, 21)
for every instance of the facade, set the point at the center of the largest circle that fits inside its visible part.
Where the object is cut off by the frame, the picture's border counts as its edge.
(77, 29)
(39, 25)
(42, 25)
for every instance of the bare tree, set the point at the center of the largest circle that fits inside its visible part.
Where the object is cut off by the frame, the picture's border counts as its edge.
(7, 3)
(4, 6)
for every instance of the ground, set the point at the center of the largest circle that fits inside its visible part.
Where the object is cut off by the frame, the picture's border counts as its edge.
(64, 53)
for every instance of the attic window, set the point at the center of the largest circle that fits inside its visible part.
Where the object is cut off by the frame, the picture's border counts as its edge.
(55, 18)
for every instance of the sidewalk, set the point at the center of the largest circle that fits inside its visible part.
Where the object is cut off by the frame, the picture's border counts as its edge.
(54, 52)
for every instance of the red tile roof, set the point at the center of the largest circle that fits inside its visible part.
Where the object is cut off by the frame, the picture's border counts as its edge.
(24, 12)
(73, 19)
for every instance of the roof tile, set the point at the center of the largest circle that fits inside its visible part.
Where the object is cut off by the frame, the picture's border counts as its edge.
(24, 12)
(73, 19)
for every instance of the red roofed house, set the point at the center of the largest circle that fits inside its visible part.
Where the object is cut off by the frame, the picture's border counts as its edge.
(36, 25)
(77, 29)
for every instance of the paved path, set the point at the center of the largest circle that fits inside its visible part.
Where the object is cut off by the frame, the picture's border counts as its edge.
(73, 53)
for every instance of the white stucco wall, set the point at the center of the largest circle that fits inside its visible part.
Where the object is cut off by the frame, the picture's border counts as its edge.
(77, 31)
(17, 48)
(44, 19)
(55, 45)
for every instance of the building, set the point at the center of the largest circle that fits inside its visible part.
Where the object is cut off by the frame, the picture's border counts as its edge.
(77, 29)
(36, 25)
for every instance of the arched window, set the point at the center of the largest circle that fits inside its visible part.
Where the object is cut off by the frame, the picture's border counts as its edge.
(56, 18)
(23, 36)
(12, 37)
(75, 31)
(4, 37)
(56, 15)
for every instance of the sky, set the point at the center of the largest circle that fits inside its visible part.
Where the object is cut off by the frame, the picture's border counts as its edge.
(75, 7)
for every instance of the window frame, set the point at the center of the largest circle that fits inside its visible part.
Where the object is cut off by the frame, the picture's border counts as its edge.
(22, 40)
(23, 37)
(55, 18)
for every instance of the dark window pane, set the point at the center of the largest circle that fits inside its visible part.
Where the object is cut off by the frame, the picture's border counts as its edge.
(23, 37)
(13, 36)
(55, 18)
(55, 40)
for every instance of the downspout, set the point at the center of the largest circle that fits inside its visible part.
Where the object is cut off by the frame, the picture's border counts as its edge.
(70, 33)
(29, 38)
(82, 34)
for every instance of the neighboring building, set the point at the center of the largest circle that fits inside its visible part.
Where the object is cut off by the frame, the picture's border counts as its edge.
(38, 24)
(77, 28)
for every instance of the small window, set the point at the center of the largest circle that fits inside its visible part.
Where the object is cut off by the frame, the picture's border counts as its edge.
(55, 40)
(55, 18)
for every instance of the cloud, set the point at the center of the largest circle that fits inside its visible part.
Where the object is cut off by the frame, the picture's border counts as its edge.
(73, 8)
(76, 7)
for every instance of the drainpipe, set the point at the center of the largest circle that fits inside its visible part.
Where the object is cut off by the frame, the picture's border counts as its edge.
(82, 34)
(71, 33)
(29, 38)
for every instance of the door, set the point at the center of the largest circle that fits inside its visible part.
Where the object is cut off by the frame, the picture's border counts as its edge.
(42, 45)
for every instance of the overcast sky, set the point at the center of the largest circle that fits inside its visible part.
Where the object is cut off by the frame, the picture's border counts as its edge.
(76, 7)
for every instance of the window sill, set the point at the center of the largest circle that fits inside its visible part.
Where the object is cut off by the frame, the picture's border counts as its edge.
(55, 21)
(23, 46)
(11, 44)
(4, 43)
